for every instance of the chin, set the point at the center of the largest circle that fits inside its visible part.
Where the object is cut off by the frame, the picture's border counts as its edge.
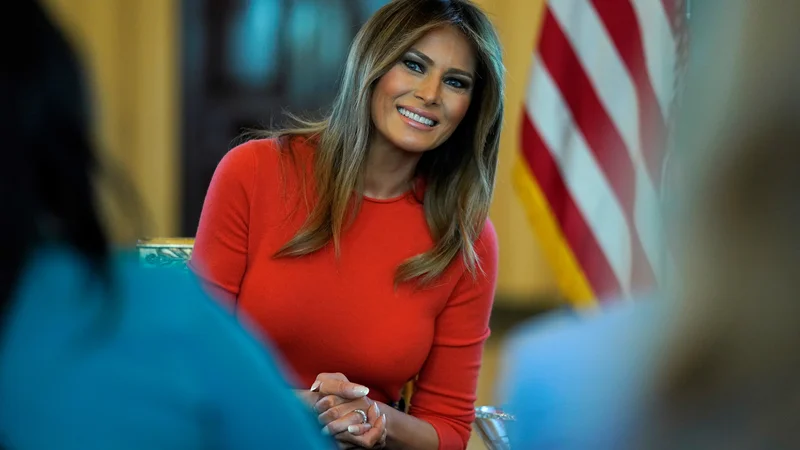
(413, 146)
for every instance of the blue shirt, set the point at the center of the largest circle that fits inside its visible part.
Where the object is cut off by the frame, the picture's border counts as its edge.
(581, 383)
(150, 364)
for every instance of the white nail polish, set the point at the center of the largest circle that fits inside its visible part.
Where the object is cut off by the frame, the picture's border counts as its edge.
(352, 428)
(362, 391)
(315, 386)
(326, 431)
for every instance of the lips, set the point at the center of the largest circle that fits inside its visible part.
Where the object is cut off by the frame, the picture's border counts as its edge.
(417, 116)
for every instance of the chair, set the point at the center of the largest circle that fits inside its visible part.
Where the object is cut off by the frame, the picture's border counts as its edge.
(174, 253)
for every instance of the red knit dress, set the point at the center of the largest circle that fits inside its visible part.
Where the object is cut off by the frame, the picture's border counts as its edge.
(329, 314)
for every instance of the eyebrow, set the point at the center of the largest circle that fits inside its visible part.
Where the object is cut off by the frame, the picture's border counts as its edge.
(425, 58)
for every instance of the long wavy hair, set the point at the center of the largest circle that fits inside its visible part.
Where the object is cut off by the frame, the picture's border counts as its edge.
(458, 176)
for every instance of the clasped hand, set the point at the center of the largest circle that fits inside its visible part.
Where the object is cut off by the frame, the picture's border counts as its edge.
(337, 402)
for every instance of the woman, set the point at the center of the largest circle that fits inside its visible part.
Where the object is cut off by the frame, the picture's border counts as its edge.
(713, 363)
(96, 353)
(360, 244)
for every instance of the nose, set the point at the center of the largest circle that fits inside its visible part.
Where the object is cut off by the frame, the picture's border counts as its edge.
(429, 90)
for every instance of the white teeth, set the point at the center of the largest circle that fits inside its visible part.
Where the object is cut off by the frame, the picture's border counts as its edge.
(416, 117)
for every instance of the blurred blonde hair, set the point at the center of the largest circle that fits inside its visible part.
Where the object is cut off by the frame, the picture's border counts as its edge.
(459, 175)
(732, 357)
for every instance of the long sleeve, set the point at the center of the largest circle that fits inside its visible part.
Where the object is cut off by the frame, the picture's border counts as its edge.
(220, 251)
(445, 391)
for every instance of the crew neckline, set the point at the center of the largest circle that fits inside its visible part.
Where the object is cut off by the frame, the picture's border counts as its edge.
(387, 200)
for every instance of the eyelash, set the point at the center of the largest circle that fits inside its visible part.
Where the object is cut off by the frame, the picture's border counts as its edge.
(417, 67)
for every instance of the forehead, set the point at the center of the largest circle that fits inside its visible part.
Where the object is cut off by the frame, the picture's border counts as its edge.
(448, 48)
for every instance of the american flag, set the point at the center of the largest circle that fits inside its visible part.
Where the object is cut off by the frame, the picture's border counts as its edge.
(595, 122)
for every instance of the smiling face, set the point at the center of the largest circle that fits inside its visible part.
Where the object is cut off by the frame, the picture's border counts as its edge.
(418, 104)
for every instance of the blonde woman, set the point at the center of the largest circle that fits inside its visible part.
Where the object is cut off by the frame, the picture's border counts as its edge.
(360, 244)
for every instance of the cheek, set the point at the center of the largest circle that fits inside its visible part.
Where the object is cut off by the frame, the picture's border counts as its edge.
(386, 90)
(457, 108)
(393, 84)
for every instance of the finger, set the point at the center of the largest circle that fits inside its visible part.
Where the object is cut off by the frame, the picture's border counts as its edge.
(340, 411)
(308, 398)
(373, 413)
(339, 425)
(324, 376)
(374, 437)
(358, 430)
(328, 402)
(344, 389)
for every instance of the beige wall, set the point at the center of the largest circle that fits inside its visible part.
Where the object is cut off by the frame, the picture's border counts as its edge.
(131, 48)
(524, 274)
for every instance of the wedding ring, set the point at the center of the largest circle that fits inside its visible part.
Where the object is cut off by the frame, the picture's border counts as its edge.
(362, 414)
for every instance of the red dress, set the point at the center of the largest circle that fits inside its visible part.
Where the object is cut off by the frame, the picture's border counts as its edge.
(343, 315)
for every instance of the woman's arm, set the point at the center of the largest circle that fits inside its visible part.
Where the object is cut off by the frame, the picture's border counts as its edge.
(219, 257)
(405, 431)
(445, 391)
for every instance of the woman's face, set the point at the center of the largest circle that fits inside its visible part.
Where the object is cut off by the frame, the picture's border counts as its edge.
(418, 104)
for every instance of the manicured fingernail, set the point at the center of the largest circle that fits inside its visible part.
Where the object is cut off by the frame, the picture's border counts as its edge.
(377, 409)
(315, 386)
(352, 428)
(361, 390)
(383, 417)
(326, 431)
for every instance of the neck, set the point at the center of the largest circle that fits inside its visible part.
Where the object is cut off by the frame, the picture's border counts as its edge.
(389, 170)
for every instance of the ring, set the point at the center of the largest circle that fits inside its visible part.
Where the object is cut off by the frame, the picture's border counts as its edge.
(362, 414)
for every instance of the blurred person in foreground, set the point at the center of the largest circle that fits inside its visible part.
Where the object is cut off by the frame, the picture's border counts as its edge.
(361, 243)
(712, 362)
(96, 353)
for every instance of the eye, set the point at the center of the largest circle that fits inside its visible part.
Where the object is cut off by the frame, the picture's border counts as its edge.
(413, 65)
(456, 83)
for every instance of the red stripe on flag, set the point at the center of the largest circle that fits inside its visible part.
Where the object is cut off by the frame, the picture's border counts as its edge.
(576, 232)
(599, 130)
(623, 26)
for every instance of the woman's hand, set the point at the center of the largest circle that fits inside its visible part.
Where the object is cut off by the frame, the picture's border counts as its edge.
(307, 397)
(335, 385)
(355, 422)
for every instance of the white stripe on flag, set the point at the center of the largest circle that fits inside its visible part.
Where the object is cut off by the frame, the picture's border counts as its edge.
(659, 49)
(614, 86)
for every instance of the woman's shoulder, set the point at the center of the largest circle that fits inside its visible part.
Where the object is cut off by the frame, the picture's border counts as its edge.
(488, 235)
(486, 245)
(59, 287)
(270, 149)
(267, 157)
(548, 361)
(58, 277)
